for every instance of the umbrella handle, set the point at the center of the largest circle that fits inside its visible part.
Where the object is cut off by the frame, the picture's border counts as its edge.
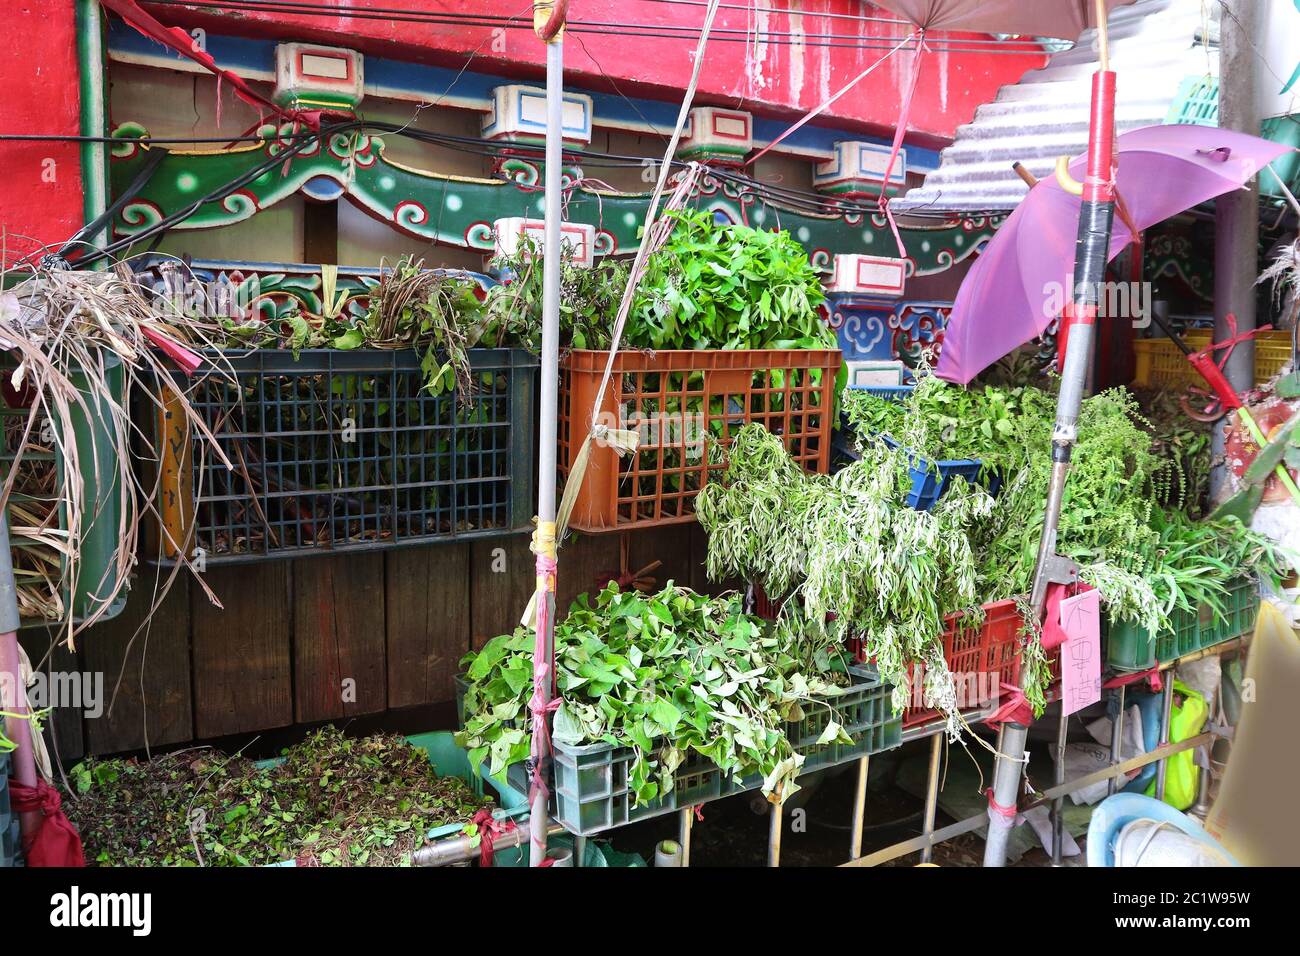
(1064, 179)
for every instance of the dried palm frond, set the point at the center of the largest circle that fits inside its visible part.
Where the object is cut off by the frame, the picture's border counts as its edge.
(417, 307)
(66, 333)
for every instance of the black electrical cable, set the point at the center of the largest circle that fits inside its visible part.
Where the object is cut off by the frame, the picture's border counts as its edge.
(92, 228)
(215, 196)
(595, 28)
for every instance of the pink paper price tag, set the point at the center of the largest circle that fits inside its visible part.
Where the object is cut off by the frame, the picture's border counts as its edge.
(1081, 652)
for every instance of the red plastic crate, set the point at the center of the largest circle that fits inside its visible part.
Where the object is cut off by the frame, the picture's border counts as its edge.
(988, 656)
(980, 659)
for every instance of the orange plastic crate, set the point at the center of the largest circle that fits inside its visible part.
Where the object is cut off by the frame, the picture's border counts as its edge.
(675, 399)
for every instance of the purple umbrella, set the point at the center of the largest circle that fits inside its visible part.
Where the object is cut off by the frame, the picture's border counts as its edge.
(1022, 279)
(1065, 19)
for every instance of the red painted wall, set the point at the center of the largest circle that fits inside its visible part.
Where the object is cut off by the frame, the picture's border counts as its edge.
(40, 183)
(790, 81)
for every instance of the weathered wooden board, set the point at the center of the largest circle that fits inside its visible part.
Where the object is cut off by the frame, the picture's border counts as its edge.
(502, 576)
(242, 659)
(338, 637)
(428, 621)
(66, 687)
(147, 675)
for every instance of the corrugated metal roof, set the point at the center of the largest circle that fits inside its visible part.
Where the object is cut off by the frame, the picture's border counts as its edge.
(1154, 45)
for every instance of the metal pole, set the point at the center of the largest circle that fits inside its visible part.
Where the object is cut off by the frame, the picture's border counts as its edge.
(859, 808)
(548, 409)
(1116, 742)
(685, 818)
(14, 700)
(775, 818)
(1166, 719)
(1058, 805)
(1096, 212)
(931, 796)
(1236, 213)
(1201, 809)
(1006, 791)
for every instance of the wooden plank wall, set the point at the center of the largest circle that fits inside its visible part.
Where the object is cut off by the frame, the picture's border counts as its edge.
(321, 638)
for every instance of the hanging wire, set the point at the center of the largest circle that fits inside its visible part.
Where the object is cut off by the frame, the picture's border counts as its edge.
(595, 27)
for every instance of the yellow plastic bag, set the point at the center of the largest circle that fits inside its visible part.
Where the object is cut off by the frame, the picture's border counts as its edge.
(1186, 721)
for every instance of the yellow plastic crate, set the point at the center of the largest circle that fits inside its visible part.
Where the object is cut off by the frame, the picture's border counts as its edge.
(1160, 364)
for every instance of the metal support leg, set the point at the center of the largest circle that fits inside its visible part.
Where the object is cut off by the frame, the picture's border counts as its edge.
(1116, 743)
(775, 820)
(579, 850)
(859, 809)
(1006, 792)
(685, 819)
(1166, 717)
(1201, 809)
(1058, 805)
(931, 794)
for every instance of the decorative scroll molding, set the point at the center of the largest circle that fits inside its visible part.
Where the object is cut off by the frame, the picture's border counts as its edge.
(460, 211)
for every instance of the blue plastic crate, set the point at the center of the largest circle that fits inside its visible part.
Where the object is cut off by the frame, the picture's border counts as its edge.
(930, 478)
(890, 393)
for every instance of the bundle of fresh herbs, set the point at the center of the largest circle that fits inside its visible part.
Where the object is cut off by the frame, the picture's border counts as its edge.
(589, 300)
(710, 286)
(1119, 520)
(719, 285)
(942, 422)
(670, 675)
(332, 800)
(848, 554)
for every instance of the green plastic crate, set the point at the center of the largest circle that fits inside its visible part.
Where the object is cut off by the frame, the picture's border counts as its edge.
(1131, 648)
(591, 794)
(102, 489)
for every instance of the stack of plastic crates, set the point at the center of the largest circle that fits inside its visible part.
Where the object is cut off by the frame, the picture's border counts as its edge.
(1133, 648)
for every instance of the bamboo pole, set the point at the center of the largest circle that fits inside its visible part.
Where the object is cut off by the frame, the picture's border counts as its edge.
(544, 544)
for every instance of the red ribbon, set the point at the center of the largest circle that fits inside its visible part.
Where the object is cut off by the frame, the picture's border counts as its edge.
(904, 112)
(1015, 711)
(1152, 675)
(55, 841)
(538, 705)
(489, 828)
(1008, 812)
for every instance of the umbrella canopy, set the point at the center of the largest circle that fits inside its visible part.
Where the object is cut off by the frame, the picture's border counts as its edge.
(1024, 277)
(1061, 19)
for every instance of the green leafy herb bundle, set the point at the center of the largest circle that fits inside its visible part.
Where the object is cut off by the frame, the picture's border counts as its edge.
(943, 422)
(434, 311)
(849, 553)
(333, 800)
(710, 286)
(726, 286)
(671, 675)
(589, 299)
